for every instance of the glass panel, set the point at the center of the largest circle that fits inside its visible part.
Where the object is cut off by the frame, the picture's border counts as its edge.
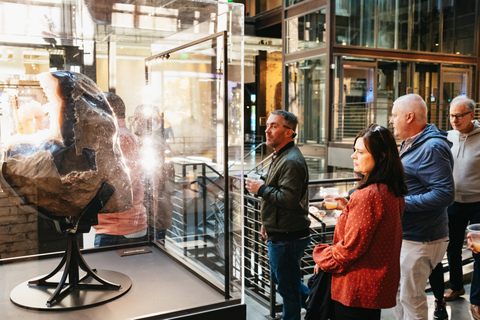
(448, 45)
(355, 22)
(306, 98)
(426, 36)
(197, 152)
(465, 26)
(459, 26)
(291, 2)
(181, 134)
(306, 32)
(390, 81)
(393, 24)
(426, 84)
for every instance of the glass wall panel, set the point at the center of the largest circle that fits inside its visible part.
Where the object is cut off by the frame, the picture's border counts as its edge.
(391, 83)
(393, 24)
(426, 26)
(459, 26)
(291, 2)
(306, 98)
(306, 32)
(355, 22)
(181, 172)
(426, 80)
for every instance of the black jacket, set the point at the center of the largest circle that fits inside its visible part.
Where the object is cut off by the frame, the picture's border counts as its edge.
(285, 197)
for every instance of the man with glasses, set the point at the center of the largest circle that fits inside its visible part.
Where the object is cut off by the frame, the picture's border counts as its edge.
(428, 163)
(466, 208)
(284, 211)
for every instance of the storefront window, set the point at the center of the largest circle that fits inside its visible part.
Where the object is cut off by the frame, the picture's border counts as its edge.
(306, 32)
(306, 98)
(355, 22)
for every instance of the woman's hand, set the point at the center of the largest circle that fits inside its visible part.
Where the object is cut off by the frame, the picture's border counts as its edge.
(470, 243)
(341, 203)
(316, 269)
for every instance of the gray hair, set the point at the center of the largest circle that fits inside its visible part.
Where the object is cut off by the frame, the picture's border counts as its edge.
(414, 103)
(290, 119)
(467, 102)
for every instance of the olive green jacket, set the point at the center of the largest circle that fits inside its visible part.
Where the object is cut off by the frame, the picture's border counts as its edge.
(284, 205)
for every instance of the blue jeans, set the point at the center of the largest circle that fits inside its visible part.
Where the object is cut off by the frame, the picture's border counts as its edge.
(102, 240)
(284, 258)
(459, 216)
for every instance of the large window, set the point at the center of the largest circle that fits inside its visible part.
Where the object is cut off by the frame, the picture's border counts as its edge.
(426, 26)
(355, 22)
(306, 98)
(392, 22)
(292, 2)
(459, 26)
(306, 32)
(446, 26)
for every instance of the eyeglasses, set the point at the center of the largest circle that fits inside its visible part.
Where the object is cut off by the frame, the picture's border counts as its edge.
(275, 126)
(459, 116)
(376, 128)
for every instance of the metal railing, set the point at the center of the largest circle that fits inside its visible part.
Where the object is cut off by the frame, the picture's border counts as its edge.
(256, 266)
(349, 118)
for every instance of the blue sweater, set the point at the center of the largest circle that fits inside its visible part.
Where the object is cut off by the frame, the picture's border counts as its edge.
(428, 167)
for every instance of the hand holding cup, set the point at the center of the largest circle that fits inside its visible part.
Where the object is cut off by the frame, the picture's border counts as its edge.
(253, 183)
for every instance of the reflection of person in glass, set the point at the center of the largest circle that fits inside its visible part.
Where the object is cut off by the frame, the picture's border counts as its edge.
(365, 256)
(131, 225)
(148, 126)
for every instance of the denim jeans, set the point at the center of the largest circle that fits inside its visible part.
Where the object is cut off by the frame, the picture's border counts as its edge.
(459, 216)
(284, 258)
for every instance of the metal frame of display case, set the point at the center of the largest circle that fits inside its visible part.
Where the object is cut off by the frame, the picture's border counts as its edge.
(223, 192)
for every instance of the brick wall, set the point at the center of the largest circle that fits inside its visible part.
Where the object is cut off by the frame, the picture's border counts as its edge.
(18, 230)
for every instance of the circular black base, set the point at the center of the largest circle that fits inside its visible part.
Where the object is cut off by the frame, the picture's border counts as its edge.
(35, 297)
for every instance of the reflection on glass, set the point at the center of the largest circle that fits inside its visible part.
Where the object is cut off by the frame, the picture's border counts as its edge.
(459, 27)
(290, 2)
(393, 24)
(188, 203)
(456, 81)
(306, 98)
(426, 26)
(131, 225)
(355, 22)
(391, 83)
(306, 32)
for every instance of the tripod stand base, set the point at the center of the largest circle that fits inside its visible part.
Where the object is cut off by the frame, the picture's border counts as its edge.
(35, 297)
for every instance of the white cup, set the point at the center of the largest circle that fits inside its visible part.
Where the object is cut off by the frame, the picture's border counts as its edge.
(329, 198)
(474, 231)
(253, 176)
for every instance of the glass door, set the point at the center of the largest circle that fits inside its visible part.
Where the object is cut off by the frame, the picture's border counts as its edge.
(425, 84)
(355, 94)
(455, 82)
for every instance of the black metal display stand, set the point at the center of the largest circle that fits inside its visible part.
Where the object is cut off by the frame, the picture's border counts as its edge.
(53, 291)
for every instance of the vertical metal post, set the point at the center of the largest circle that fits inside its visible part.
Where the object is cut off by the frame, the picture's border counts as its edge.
(204, 210)
(226, 215)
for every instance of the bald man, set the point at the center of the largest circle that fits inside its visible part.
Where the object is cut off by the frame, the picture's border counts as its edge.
(428, 163)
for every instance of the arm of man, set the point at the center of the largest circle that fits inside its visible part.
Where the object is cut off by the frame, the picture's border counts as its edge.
(435, 174)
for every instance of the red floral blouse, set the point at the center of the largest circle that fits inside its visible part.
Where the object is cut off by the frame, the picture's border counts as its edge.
(365, 256)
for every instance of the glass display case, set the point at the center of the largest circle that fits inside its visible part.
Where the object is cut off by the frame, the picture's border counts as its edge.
(122, 158)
